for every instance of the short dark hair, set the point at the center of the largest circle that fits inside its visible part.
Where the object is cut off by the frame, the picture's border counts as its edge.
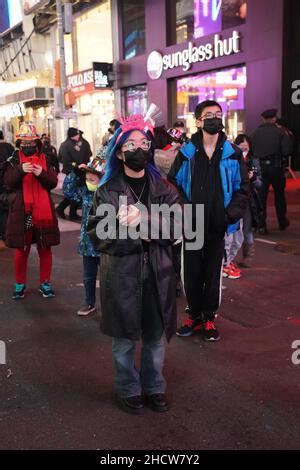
(161, 137)
(115, 123)
(205, 104)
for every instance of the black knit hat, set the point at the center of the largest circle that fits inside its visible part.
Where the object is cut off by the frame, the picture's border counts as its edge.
(72, 131)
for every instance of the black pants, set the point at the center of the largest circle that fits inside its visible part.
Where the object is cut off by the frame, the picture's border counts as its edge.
(275, 177)
(90, 271)
(202, 278)
(68, 202)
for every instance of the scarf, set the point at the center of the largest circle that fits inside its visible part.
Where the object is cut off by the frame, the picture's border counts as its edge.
(36, 197)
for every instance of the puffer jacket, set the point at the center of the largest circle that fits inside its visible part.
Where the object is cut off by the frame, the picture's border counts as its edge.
(73, 190)
(233, 173)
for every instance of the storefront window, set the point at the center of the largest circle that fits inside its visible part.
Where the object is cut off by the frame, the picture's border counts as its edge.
(197, 18)
(93, 30)
(227, 87)
(136, 100)
(94, 113)
(133, 17)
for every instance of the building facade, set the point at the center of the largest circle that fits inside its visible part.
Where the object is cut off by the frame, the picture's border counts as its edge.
(26, 87)
(177, 53)
(31, 89)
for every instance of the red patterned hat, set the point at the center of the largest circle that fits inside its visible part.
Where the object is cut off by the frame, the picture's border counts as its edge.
(27, 132)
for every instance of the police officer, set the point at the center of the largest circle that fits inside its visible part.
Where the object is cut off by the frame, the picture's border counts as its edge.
(272, 146)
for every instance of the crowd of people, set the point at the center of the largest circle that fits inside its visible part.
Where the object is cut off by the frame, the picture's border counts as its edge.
(140, 277)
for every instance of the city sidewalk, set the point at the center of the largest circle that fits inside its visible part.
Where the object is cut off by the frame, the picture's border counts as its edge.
(56, 389)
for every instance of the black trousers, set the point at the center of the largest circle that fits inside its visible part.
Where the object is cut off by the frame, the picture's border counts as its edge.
(275, 177)
(202, 278)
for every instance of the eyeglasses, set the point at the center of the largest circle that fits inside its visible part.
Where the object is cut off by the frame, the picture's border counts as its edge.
(209, 115)
(143, 144)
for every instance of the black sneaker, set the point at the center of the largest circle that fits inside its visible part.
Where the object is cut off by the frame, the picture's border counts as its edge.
(60, 213)
(209, 331)
(19, 292)
(46, 290)
(157, 402)
(189, 327)
(284, 224)
(263, 231)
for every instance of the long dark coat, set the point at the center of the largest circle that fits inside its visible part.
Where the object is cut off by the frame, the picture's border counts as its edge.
(121, 265)
(15, 229)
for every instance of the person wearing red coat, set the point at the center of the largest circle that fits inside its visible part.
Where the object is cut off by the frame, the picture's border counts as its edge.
(28, 178)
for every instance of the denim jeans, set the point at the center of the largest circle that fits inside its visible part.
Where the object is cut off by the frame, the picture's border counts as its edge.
(90, 270)
(149, 379)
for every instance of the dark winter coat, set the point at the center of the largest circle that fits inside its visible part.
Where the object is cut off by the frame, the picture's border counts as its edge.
(121, 264)
(270, 142)
(6, 151)
(15, 230)
(51, 156)
(255, 201)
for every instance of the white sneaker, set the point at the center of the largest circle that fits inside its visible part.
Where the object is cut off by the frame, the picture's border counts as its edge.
(86, 310)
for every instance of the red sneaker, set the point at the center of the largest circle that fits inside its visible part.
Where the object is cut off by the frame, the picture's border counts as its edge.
(226, 270)
(189, 327)
(210, 332)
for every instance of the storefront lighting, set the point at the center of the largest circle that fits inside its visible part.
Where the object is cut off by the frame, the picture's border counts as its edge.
(49, 58)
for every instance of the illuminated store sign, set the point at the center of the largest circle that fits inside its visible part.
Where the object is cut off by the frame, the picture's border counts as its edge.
(157, 62)
(102, 71)
(90, 80)
(10, 14)
(81, 82)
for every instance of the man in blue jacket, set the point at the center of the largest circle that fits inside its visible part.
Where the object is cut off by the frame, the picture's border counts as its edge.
(209, 170)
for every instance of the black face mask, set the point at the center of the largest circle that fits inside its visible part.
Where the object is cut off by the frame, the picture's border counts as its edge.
(29, 150)
(213, 126)
(137, 159)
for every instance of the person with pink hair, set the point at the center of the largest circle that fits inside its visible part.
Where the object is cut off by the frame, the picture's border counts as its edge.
(137, 279)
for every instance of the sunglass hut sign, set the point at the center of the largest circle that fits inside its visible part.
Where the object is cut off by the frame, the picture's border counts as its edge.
(157, 62)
